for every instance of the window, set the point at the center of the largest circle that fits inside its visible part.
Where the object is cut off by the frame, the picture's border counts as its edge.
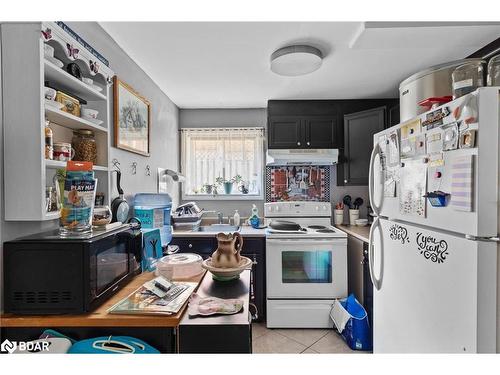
(222, 162)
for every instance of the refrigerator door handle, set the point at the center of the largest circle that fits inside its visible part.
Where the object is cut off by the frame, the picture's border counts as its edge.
(483, 239)
(377, 283)
(376, 209)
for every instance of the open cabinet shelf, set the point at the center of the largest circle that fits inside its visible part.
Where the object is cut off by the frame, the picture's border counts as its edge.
(67, 82)
(24, 72)
(55, 164)
(70, 121)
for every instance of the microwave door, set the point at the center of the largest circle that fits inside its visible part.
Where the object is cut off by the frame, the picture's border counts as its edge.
(111, 263)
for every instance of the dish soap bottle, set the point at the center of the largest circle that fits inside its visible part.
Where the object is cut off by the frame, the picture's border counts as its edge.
(236, 218)
(254, 219)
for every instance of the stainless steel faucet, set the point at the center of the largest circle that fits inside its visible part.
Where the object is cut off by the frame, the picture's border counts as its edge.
(220, 216)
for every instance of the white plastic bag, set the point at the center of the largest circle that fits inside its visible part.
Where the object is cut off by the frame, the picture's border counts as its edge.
(339, 315)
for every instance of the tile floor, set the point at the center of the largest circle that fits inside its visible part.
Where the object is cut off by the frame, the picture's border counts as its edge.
(307, 341)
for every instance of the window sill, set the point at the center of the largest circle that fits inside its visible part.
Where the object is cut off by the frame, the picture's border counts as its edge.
(222, 197)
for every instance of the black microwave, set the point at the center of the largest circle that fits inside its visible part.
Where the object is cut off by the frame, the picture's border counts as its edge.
(48, 274)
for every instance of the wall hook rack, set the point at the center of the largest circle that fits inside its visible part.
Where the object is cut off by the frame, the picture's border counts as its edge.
(116, 164)
(134, 168)
(148, 170)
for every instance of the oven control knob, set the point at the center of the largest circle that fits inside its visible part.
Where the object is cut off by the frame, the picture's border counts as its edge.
(277, 208)
(317, 208)
(324, 208)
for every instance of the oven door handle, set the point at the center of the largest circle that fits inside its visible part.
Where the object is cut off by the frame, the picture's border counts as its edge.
(311, 241)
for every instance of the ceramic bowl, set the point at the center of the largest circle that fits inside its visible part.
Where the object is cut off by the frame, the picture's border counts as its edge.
(226, 274)
(101, 216)
(89, 113)
(50, 93)
(361, 222)
(88, 81)
(48, 50)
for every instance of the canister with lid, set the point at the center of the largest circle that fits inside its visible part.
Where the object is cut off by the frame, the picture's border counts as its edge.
(467, 77)
(494, 71)
(84, 145)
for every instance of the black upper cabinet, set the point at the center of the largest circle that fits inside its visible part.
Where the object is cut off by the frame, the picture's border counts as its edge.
(302, 132)
(393, 116)
(359, 129)
(320, 132)
(317, 123)
(285, 132)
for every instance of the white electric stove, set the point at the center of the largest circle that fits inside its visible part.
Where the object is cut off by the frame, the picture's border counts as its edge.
(306, 264)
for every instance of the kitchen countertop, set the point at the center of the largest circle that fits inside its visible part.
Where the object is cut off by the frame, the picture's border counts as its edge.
(245, 230)
(361, 233)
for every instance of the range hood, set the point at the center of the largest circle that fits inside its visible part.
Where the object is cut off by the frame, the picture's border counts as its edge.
(302, 157)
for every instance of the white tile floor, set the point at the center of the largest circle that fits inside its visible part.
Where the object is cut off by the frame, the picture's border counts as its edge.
(306, 341)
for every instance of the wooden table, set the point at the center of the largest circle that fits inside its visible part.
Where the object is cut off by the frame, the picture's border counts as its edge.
(157, 330)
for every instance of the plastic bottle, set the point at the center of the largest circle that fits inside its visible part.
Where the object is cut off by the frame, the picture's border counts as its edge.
(254, 219)
(236, 218)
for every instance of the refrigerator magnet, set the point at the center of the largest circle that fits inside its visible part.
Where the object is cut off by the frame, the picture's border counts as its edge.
(411, 128)
(438, 198)
(436, 160)
(434, 142)
(393, 149)
(408, 147)
(420, 145)
(436, 117)
(467, 138)
(450, 137)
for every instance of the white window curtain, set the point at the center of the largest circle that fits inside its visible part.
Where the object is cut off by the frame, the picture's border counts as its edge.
(212, 153)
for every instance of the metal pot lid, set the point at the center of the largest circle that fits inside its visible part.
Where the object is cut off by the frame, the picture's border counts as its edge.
(83, 132)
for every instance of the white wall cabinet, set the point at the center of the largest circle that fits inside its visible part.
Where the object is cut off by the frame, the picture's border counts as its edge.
(24, 72)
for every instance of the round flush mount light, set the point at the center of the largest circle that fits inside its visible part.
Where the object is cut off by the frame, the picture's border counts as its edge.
(296, 60)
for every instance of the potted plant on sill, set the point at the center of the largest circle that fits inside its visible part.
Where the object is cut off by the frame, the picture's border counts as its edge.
(209, 189)
(228, 184)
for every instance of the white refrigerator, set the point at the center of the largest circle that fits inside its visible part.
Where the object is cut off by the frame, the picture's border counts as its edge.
(433, 249)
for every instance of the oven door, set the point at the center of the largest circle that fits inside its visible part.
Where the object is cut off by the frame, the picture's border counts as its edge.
(306, 268)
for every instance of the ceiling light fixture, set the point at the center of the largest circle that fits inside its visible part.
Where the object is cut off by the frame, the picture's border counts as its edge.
(296, 60)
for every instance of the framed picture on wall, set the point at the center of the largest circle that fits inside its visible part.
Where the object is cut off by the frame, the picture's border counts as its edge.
(132, 119)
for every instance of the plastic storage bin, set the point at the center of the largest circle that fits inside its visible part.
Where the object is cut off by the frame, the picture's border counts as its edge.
(153, 210)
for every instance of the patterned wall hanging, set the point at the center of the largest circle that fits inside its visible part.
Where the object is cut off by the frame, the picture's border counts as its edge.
(298, 183)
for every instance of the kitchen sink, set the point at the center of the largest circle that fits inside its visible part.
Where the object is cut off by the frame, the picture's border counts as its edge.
(219, 228)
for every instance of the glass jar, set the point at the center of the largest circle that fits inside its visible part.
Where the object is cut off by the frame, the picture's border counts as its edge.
(494, 71)
(49, 141)
(467, 78)
(84, 144)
